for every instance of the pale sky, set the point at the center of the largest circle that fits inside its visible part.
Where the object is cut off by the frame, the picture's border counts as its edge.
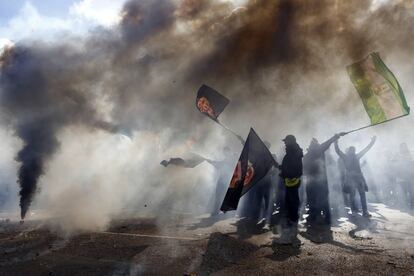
(9, 9)
(47, 19)
(43, 19)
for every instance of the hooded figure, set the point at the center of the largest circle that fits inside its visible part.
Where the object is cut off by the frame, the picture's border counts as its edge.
(317, 191)
(354, 179)
(291, 170)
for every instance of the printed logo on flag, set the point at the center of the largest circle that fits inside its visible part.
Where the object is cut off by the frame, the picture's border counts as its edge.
(237, 175)
(204, 106)
(210, 102)
(254, 163)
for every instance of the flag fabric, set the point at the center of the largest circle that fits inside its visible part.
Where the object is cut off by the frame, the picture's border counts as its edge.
(254, 163)
(381, 94)
(192, 161)
(210, 102)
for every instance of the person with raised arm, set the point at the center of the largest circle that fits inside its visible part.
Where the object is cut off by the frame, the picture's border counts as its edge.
(354, 178)
(316, 180)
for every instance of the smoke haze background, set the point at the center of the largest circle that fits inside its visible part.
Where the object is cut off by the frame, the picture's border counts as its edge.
(68, 100)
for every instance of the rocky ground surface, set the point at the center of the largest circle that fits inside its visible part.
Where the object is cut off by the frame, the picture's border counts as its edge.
(381, 245)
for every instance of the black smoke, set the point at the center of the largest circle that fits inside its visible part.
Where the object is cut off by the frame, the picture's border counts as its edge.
(40, 96)
(146, 70)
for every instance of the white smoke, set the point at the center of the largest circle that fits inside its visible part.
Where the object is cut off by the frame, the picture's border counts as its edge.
(144, 75)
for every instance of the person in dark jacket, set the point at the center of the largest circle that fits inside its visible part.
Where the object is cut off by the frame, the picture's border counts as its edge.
(291, 172)
(354, 179)
(316, 180)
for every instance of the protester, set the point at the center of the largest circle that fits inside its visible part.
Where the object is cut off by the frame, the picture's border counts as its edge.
(316, 180)
(264, 193)
(291, 172)
(257, 204)
(334, 185)
(224, 169)
(354, 179)
(403, 171)
(342, 179)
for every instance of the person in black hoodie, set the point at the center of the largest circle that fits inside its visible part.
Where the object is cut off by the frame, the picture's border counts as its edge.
(291, 171)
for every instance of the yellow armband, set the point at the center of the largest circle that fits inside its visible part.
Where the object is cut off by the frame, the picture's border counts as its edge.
(292, 182)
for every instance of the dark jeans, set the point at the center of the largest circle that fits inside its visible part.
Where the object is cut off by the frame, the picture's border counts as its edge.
(292, 203)
(280, 194)
(363, 198)
(248, 207)
(264, 196)
(257, 203)
(318, 201)
(408, 193)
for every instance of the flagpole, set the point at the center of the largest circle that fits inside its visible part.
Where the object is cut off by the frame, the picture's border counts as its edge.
(232, 132)
(376, 124)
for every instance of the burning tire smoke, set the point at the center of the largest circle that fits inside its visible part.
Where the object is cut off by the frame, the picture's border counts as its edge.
(142, 74)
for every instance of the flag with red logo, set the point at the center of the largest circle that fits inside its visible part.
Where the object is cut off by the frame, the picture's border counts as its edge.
(210, 102)
(254, 163)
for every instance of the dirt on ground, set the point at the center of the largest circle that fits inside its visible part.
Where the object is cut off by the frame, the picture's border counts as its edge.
(380, 245)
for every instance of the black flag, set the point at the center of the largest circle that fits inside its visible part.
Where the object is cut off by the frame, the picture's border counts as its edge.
(190, 162)
(210, 102)
(254, 163)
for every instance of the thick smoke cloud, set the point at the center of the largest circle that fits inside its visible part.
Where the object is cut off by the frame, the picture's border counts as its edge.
(41, 95)
(282, 63)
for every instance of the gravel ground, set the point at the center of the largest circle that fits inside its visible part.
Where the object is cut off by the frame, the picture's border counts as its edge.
(382, 245)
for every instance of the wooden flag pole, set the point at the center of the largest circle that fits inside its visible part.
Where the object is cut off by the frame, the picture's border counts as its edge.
(376, 124)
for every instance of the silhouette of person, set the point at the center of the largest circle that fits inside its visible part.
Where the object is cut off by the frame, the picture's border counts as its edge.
(354, 179)
(224, 169)
(257, 204)
(291, 171)
(402, 168)
(316, 180)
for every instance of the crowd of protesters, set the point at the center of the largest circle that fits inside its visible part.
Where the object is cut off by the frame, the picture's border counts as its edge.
(318, 187)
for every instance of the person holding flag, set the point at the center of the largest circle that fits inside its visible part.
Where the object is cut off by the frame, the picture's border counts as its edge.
(291, 171)
(354, 179)
(264, 193)
(223, 169)
(316, 179)
(254, 163)
(257, 205)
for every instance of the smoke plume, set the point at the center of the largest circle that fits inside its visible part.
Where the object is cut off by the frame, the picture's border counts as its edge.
(40, 96)
(282, 64)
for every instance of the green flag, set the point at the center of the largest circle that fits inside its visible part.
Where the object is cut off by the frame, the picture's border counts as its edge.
(378, 88)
